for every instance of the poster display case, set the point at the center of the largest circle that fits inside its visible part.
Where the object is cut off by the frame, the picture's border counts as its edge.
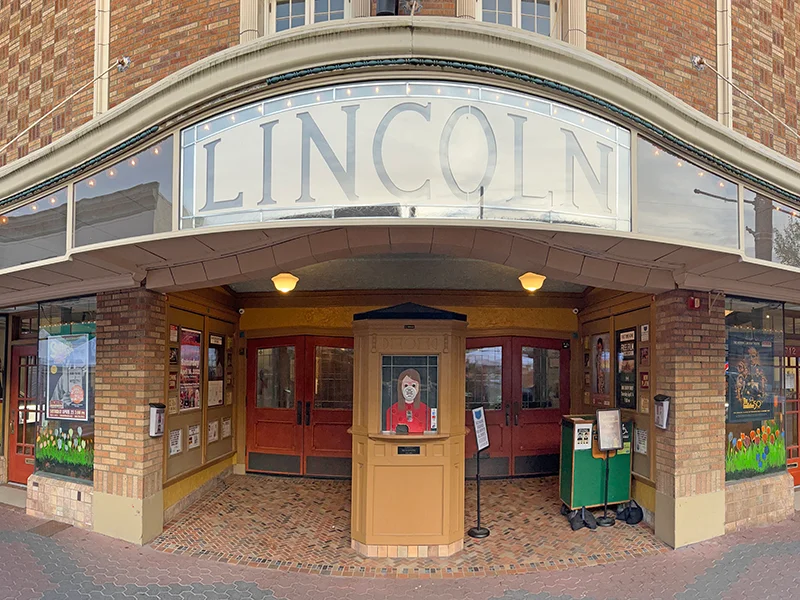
(198, 388)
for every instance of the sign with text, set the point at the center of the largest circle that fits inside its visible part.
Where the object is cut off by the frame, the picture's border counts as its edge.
(751, 358)
(626, 369)
(68, 377)
(481, 435)
(406, 149)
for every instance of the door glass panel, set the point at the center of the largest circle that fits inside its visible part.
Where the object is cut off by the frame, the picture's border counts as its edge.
(541, 377)
(333, 378)
(275, 385)
(791, 428)
(484, 384)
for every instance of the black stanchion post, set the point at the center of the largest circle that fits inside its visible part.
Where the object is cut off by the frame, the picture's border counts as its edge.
(478, 532)
(605, 520)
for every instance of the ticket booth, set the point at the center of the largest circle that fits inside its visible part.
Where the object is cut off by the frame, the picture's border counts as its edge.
(408, 432)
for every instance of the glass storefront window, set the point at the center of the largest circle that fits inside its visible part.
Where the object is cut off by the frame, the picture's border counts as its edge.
(333, 378)
(36, 231)
(541, 377)
(772, 229)
(410, 386)
(484, 384)
(3, 362)
(131, 198)
(275, 387)
(65, 439)
(680, 200)
(756, 437)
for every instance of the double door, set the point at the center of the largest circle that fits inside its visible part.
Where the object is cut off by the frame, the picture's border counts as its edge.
(300, 405)
(23, 414)
(523, 385)
(792, 383)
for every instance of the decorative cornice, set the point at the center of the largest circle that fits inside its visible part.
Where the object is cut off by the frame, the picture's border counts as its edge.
(300, 58)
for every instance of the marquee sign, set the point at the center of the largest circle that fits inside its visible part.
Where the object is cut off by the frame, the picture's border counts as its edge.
(405, 150)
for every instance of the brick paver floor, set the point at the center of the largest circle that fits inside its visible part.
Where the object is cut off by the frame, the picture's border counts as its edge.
(304, 525)
(74, 564)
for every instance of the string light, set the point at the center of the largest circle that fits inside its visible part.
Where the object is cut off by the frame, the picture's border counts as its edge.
(90, 183)
(3, 220)
(156, 150)
(112, 172)
(133, 162)
(53, 200)
(34, 207)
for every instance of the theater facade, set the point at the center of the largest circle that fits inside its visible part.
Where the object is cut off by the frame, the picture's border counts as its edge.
(398, 175)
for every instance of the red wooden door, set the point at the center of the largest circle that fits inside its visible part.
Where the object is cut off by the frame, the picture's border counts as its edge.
(274, 405)
(488, 384)
(23, 412)
(328, 406)
(540, 372)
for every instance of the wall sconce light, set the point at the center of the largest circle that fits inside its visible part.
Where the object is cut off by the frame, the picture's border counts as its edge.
(285, 282)
(532, 281)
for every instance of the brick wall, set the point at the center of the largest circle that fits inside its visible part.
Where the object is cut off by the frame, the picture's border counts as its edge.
(163, 36)
(759, 501)
(656, 40)
(129, 375)
(690, 454)
(46, 53)
(765, 56)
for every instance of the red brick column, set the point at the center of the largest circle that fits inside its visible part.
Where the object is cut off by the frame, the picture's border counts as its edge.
(690, 454)
(128, 502)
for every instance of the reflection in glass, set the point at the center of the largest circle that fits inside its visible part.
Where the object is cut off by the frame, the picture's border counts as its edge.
(275, 386)
(755, 430)
(131, 198)
(772, 229)
(535, 16)
(289, 14)
(35, 231)
(333, 378)
(328, 10)
(484, 384)
(67, 355)
(541, 377)
(409, 393)
(679, 200)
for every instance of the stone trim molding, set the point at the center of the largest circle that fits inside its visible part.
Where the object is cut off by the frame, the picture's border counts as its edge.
(458, 45)
(102, 40)
(724, 63)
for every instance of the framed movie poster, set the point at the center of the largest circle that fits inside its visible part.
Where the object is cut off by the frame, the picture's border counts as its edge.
(751, 359)
(67, 384)
(191, 341)
(644, 356)
(216, 370)
(601, 367)
(626, 369)
(609, 429)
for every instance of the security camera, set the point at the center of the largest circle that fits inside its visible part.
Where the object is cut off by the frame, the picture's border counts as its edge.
(575, 311)
(241, 311)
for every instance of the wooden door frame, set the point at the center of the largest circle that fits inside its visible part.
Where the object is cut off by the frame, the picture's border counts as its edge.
(13, 396)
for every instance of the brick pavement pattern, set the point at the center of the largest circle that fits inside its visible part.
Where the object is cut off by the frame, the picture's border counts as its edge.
(76, 564)
(304, 525)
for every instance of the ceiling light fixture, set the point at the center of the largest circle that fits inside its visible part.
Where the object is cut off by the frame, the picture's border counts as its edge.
(531, 281)
(285, 282)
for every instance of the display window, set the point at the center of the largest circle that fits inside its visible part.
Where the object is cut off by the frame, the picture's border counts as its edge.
(409, 393)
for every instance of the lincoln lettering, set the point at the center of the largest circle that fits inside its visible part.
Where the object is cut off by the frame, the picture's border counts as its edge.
(439, 152)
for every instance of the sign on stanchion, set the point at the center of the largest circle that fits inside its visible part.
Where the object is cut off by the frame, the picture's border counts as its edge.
(482, 438)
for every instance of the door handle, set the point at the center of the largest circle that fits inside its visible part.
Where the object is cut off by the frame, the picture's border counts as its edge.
(308, 413)
(11, 426)
(508, 415)
(299, 413)
(516, 414)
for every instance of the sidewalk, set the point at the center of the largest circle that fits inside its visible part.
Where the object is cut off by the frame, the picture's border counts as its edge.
(41, 560)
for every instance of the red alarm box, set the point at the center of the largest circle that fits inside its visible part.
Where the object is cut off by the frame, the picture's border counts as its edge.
(693, 303)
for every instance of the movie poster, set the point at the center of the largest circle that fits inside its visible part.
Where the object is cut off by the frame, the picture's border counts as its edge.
(626, 369)
(216, 371)
(68, 377)
(751, 358)
(190, 369)
(601, 368)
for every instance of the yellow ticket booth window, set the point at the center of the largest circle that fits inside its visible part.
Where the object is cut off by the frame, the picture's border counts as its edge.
(408, 432)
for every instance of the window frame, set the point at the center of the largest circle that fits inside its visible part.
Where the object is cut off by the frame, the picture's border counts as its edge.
(516, 16)
(271, 15)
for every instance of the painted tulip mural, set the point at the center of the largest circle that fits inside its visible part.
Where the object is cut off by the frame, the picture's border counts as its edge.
(761, 450)
(66, 451)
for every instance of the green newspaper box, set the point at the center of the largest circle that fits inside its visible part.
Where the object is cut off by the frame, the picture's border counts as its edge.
(583, 471)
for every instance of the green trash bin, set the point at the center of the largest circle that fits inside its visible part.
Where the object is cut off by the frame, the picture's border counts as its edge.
(583, 472)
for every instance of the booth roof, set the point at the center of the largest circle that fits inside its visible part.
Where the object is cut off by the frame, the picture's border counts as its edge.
(412, 311)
